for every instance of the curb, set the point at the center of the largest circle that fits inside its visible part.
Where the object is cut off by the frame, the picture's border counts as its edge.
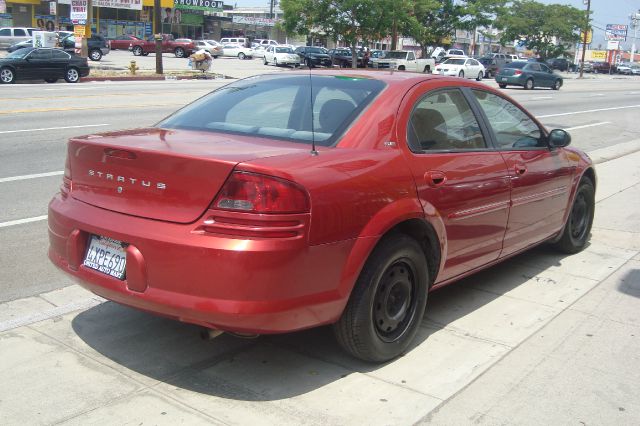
(158, 78)
(603, 155)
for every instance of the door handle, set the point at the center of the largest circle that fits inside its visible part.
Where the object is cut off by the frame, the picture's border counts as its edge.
(520, 169)
(435, 178)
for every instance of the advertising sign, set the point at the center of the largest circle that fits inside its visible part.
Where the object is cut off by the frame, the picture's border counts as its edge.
(3, 6)
(613, 45)
(615, 32)
(600, 55)
(53, 8)
(265, 22)
(208, 5)
(589, 36)
(78, 10)
(119, 4)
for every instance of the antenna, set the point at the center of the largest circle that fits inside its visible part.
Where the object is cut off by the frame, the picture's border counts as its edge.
(313, 133)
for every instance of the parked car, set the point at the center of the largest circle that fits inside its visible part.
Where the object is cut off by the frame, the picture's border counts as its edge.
(343, 58)
(122, 42)
(528, 75)
(281, 55)
(12, 35)
(266, 42)
(491, 65)
(313, 56)
(461, 67)
(635, 69)
(560, 64)
(233, 40)
(20, 45)
(511, 57)
(180, 49)
(587, 67)
(96, 44)
(43, 63)
(317, 224)
(237, 50)
(214, 50)
(404, 60)
(455, 52)
(604, 68)
(624, 68)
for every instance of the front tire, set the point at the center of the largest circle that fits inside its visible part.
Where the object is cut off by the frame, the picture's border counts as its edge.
(72, 75)
(528, 85)
(479, 77)
(179, 52)
(137, 50)
(578, 227)
(95, 55)
(51, 79)
(265, 61)
(241, 55)
(7, 76)
(461, 74)
(557, 85)
(387, 303)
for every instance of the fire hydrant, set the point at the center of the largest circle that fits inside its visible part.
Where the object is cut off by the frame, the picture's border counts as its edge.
(133, 67)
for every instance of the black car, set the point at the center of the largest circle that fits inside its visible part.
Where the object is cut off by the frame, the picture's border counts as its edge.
(492, 65)
(312, 56)
(560, 64)
(343, 58)
(44, 63)
(97, 46)
(20, 45)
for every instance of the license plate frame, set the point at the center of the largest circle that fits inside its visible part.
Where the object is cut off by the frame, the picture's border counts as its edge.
(107, 256)
(505, 79)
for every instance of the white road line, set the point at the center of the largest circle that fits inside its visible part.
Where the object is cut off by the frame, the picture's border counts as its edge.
(34, 176)
(588, 125)
(541, 97)
(588, 111)
(595, 95)
(52, 128)
(21, 221)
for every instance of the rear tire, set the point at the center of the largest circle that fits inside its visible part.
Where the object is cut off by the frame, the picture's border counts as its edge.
(577, 229)
(461, 74)
(241, 55)
(479, 77)
(528, 85)
(387, 303)
(7, 76)
(72, 75)
(502, 85)
(95, 55)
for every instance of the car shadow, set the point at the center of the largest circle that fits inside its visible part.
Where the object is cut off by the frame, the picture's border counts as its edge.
(271, 367)
(630, 283)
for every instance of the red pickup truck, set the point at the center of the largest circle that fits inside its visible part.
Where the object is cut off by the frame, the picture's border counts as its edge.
(181, 47)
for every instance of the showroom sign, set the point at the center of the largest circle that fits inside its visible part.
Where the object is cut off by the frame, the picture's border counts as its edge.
(206, 5)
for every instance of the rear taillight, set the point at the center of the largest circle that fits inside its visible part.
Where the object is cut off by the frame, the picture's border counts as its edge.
(255, 193)
(517, 72)
(67, 184)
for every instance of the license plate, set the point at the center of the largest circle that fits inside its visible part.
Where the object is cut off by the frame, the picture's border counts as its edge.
(504, 79)
(107, 256)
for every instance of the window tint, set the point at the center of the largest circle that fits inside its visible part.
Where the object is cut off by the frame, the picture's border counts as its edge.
(473, 62)
(40, 54)
(444, 121)
(59, 54)
(544, 68)
(5, 32)
(19, 32)
(511, 126)
(280, 107)
(534, 67)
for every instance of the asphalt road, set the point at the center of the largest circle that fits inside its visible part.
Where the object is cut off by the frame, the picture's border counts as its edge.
(37, 119)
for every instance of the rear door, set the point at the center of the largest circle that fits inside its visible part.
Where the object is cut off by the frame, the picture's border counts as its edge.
(59, 62)
(540, 177)
(461, 181)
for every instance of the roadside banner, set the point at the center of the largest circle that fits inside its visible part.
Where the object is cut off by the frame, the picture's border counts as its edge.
(119, 4)
(613, 45)
(599, 54)
(78, 10)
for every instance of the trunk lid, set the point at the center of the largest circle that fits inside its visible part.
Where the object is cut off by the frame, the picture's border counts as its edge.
(170, 175)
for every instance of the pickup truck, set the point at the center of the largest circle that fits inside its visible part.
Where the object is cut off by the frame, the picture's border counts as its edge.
(181, 48)
(404, 60)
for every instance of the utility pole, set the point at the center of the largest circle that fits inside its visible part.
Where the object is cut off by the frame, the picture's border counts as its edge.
(157, 19)
(635, 20)
(585, 34)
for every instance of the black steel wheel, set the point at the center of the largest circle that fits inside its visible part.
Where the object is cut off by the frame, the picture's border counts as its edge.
(577, 229)
(387, 302)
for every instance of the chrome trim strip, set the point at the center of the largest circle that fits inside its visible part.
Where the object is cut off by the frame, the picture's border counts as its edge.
(537, 197)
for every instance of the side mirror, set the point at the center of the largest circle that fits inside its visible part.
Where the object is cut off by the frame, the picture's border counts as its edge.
(559, 138)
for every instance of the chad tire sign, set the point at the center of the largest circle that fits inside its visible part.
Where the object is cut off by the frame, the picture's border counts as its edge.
(78, 10)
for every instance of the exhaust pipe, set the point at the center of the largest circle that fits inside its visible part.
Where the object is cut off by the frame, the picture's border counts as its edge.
(209, 333)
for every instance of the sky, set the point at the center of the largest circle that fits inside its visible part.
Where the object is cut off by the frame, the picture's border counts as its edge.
(604, 12)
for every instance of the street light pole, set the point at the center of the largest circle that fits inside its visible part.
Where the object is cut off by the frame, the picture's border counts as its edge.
(585, 34)
(157, 18)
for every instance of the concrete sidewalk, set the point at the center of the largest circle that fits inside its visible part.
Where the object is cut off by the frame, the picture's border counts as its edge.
(540, 339)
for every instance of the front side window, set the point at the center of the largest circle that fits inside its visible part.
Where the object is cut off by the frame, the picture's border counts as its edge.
(511, 126)
(5, 32)
(40, 54)
(444, 121)
(19, 33)
(411, 56)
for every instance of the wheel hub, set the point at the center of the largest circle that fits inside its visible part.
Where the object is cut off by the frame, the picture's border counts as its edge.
(393, 305)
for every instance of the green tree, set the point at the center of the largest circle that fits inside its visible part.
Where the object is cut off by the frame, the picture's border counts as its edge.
(433, 22)
(545, 29)
(480, 13)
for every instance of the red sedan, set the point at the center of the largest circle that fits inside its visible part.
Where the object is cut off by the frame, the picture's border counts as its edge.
(283, 202)
(122, 41)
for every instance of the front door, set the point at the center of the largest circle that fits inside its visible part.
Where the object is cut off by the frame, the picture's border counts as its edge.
(39, 64)
(540, 176)
(461, 181)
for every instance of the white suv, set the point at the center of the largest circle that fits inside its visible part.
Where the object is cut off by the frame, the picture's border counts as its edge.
(233, 40)
(11, 35)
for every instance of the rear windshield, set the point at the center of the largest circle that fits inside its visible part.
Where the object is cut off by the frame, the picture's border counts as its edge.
(454, 62)
(284, 50)
(396, 55)
(518, 65)
(280, 107)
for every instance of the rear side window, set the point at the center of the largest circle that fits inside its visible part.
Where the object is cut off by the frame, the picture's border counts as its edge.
(281, 107)
(19, 32)
(444, 121)
(6, 32)
(517, 65)
(511, 126)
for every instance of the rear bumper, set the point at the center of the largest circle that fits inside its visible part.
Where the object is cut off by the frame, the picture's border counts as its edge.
(516, 81)
(245, 285)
